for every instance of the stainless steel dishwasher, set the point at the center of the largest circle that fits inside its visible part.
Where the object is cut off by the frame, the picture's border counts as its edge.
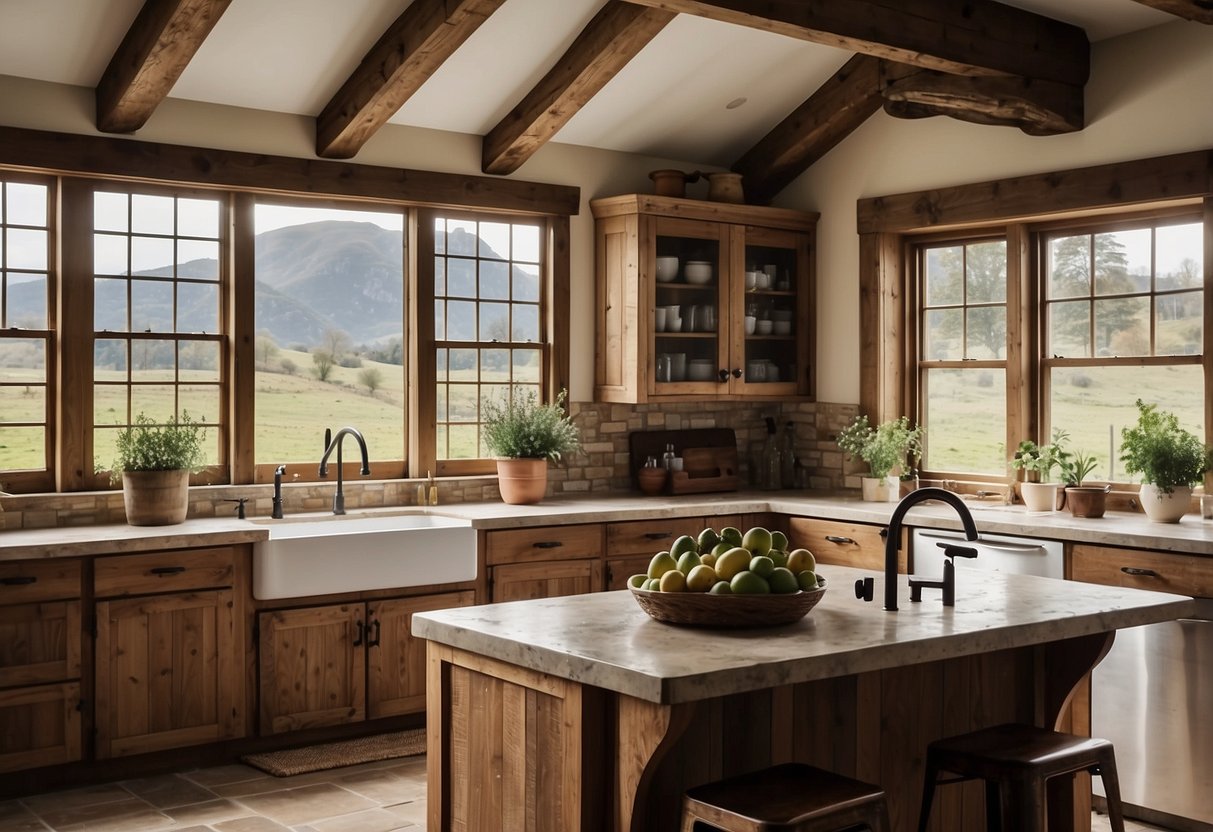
(1152, 696)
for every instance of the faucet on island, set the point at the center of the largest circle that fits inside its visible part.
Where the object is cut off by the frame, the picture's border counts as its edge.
(893, 540)
(335, 443)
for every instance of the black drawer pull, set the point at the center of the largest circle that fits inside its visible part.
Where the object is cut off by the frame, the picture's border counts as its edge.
(1137, 570)
(19, 580)
(833, 538)
(167, 570)
(361, 633)
(548, 544)
(658, 535)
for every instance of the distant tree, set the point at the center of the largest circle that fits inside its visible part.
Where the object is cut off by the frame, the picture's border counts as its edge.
(266, 351)
(371, 378)
(323, 362)
(1070, 276)
(289, 367)
(976, 273)
(335, 342)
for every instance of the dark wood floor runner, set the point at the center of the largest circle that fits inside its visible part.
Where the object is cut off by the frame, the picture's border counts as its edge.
(338, 754)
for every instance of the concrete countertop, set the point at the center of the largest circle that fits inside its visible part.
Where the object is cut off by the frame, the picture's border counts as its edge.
(605, 640)
(1191, 535)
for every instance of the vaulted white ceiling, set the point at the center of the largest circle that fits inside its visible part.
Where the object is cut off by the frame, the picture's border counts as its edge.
(292, 56)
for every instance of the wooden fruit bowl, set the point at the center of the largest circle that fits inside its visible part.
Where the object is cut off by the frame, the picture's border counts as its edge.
(702, 609)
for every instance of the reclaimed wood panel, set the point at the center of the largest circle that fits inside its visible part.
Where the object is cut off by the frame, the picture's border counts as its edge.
(122, 575)
(170, 673)
(40, 726)
(522, 581)
(544, 543)
(844, 544)
(1159, 571)
(395, 660)
(39, 643)
(639, 537)
(312, 667)
(25, 582)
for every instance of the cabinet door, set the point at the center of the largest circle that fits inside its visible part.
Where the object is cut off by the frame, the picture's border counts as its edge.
(772, 338)
(39, 643)
(312, 667)
(395, 660)
(687, 266)
(521, 581)
(169, 672)
(649, 537)
(618, 570)
(39, 726)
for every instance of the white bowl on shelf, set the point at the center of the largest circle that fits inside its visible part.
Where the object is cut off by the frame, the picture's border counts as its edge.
(783, 327)
(764, 327)
(698, 272)
(667, 269)
(701, 369)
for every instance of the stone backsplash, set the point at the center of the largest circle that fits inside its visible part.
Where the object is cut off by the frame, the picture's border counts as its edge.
(601, 466)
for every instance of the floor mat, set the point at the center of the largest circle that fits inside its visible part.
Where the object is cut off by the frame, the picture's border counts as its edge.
(338, 754)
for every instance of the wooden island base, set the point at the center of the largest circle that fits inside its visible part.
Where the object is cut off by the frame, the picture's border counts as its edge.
(515, 749)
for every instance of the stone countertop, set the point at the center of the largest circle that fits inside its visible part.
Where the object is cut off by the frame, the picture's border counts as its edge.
(606, 640)
(1191, 535)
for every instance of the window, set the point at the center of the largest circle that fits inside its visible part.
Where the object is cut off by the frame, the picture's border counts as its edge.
(158, 344)
(1123, 319)
(490, 337)
(962, 368)
(330, 335)
(25, 330)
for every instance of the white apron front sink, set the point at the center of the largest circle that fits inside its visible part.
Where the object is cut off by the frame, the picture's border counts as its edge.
(353, 553)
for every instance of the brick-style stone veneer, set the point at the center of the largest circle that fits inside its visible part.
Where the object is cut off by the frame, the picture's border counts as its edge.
(601, 466)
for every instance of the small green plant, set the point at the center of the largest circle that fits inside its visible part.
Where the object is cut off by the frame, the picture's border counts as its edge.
(1042, 459)
(148, 445)
(523, 428)
(1161, 451)
(883, 447)
(1077, 467)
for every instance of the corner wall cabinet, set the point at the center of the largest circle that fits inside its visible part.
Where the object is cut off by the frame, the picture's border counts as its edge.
(702, 300)
(39, 663)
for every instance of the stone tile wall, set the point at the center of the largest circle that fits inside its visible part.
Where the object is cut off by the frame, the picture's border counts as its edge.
(600, 467)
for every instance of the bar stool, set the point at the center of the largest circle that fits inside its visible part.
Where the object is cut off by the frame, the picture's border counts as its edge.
(791, 797)
(1016, 761)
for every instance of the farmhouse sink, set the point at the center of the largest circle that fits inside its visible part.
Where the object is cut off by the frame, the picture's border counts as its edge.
(350, 553)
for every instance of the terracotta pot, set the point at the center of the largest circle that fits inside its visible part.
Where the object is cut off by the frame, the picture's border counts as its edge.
(1087, 500)
(155, 498)
(725, 187)
(669, 182)
(1165, 508)
(1042, 496)
(522, 481)
(881, 489)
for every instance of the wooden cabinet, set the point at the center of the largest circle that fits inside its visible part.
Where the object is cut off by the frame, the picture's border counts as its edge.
(844, 544)
(169, 665)
(1138, 569)
(702, 300)
(631, 545)
(343, 663)
(544, 562)
(40, 642)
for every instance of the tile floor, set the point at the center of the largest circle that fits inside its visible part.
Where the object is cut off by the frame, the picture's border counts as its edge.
(374, 797)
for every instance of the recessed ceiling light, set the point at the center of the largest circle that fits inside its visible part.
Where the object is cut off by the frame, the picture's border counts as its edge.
(735, 103)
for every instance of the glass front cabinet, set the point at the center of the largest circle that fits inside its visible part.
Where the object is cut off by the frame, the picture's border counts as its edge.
(702, 300)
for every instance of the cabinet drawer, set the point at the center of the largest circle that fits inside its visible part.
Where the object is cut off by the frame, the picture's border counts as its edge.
(1160, 571)
(40, 726)
(29, 581)
(842, 543)
(544, 543)
(649, 536)
(163, 572)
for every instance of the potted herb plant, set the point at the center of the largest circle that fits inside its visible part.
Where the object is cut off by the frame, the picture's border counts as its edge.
(153, 462)
(525, 436)
(892, 444)
(1083, 500)
(1169, 459)
(1037, 462)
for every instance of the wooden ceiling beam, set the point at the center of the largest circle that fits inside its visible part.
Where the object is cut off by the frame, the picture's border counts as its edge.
(976, 37)
(158, 46)
(1199, 10)
(616, 35)
(408, 53)
(845, 101)
(1038, 108)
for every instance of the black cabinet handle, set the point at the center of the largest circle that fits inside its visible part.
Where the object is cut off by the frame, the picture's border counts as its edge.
(724, 376)
(548, 544)
(884, 534)
(833, 538)
(1137, 570)
(658, 535)
(167, 570)
(736, 372)
(361, 633)
(19, 580)
(373, 641)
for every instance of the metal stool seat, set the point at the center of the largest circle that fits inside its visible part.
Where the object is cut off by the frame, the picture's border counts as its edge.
(791, 797)
(1016, 761)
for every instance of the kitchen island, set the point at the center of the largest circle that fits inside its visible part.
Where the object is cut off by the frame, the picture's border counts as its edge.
(582, 714)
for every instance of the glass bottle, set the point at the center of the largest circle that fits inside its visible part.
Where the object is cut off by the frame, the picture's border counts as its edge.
(667, 459)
